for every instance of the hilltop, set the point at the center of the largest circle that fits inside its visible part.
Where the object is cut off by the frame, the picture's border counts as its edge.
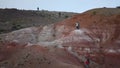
(104, 11)
(63, 45)
(15, 19)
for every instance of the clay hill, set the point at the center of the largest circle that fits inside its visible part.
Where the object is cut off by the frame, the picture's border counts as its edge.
(15, 19)
(61, 45)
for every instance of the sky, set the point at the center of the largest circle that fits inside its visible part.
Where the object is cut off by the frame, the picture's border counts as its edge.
(59, 5)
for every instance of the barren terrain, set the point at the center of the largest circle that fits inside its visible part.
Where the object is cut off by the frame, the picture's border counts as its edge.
(61, 45)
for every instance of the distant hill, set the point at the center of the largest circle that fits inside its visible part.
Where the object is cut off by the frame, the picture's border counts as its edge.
(15, 19)
(104, 11)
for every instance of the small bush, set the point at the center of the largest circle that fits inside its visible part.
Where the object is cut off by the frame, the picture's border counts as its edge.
(66, 16)
(16, 26)
(1, 31)
(118, 7)
(59, 14)
(94, 12)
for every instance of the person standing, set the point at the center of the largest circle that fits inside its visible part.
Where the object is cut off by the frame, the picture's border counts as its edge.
(87, 62)
(37, 8)
(77, 25)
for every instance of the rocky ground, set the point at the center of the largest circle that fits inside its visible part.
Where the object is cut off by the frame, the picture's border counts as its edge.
(61, 45)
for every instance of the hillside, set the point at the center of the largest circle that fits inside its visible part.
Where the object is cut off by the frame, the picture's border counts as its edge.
(104, 11)
(63, 45)
(15, 19)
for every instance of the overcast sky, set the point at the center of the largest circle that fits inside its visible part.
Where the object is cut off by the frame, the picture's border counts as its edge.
(59, 5)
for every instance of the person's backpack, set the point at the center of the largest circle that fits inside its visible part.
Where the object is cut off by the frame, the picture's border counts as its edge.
(87, 62)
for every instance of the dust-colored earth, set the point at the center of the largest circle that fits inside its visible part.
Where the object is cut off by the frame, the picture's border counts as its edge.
(61, 45)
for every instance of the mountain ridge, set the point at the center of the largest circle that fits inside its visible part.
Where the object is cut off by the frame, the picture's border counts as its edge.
(15, 19)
